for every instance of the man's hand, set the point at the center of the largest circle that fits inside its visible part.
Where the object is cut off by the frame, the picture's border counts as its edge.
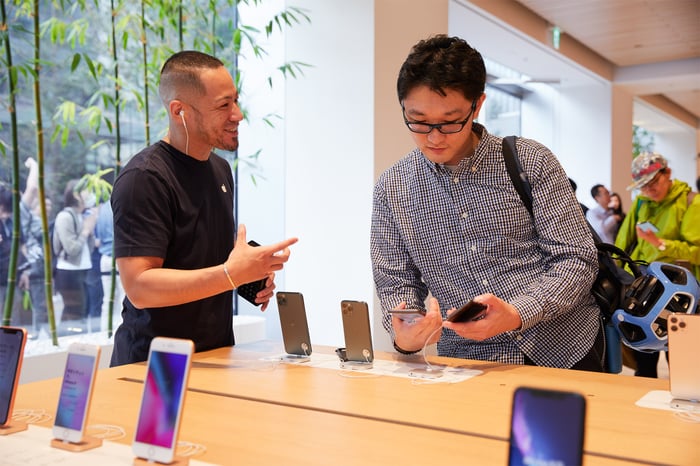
(499, 317)
(414, 335)
(248, 263)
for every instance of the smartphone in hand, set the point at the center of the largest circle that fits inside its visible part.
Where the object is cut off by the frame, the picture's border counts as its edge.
(248, 291)
(76, 392)
(467, 313)
(648, 226)
(408, 315)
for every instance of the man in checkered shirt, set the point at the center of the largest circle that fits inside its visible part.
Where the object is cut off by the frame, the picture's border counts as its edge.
(447, 221)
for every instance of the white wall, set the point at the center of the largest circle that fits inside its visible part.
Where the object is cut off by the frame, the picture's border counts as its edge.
(318, 162)
(261, 203)
(318, 165)
(584, 133)
(572, 118)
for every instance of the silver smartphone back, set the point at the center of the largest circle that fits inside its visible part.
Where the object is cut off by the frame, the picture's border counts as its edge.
(358, 333)
(295, 328)
(683, 346)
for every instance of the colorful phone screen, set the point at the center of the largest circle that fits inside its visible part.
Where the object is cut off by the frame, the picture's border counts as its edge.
(75, 391)
(161, 399)
(547, 428)
(11, 342)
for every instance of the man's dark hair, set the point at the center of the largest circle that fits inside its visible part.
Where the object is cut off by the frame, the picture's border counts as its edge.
(69, 199)
(573, 184)
(595, 189)
(182, 71)
(443, 63)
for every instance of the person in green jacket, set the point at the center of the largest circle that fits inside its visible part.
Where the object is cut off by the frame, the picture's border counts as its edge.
(663, 225)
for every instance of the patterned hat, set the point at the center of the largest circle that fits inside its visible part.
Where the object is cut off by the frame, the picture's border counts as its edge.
(645, 166)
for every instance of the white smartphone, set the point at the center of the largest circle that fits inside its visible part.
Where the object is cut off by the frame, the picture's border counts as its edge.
(408, 315)
(158, 426)
(648, 226)
(683, 367)
(12, 340)
(76, 392)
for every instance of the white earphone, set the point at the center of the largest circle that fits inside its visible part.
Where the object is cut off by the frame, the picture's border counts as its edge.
(187, 134)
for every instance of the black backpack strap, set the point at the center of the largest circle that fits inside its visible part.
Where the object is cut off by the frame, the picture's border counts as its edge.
(618, 254)
(516, 173)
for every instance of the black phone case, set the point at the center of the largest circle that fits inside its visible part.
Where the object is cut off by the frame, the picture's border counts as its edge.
(248, 290)
(467, 312)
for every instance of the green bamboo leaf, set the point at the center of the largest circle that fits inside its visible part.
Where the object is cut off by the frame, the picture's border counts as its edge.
(26, 301)
(76, 61)
(64, 136)
(91, 65)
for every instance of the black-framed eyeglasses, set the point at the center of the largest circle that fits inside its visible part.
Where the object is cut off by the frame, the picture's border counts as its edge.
(451, 127)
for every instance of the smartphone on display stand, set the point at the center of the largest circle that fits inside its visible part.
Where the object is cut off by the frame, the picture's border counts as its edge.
(158, 425)
(547, 427)
(468, 313)
(683, 367)
(12, 340)
(358, 335)
(295, 328)
(76, 392)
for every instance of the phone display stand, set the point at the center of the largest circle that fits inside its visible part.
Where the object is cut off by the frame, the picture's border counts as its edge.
(356, 365)
(345, 363)
(294, 358)
(87, 443)
(13, 427)
(177, 461)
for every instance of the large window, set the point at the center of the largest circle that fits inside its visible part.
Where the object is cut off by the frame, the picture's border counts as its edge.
(97, 106)
(503, 99)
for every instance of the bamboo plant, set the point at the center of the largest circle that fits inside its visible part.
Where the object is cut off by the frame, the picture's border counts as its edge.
(140, 37)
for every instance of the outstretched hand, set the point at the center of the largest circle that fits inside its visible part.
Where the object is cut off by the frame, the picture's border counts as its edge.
(248, 263)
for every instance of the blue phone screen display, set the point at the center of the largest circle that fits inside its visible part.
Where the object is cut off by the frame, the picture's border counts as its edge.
(10, 347)
(546, 429)
(75, 389)
(161, 399)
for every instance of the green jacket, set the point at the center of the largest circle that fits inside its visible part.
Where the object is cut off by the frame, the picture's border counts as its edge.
(678, 224)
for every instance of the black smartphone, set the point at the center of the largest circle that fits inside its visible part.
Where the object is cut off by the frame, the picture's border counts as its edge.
(248, 291)
(295, 328)
(407, 315)
(547, 427)
(357, 330)
(12, 340)
(468, 312)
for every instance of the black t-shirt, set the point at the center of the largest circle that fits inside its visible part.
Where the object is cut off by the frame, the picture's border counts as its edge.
(169, 205)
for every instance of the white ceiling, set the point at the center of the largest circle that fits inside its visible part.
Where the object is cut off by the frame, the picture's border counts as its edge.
(653, 44)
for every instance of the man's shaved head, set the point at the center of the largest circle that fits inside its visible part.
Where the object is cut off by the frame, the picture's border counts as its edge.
(181, 74)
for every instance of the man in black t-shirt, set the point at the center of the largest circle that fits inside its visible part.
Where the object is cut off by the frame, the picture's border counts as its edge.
(178, 254)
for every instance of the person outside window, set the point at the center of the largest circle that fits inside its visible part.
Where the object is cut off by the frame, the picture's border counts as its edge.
(73, 241)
